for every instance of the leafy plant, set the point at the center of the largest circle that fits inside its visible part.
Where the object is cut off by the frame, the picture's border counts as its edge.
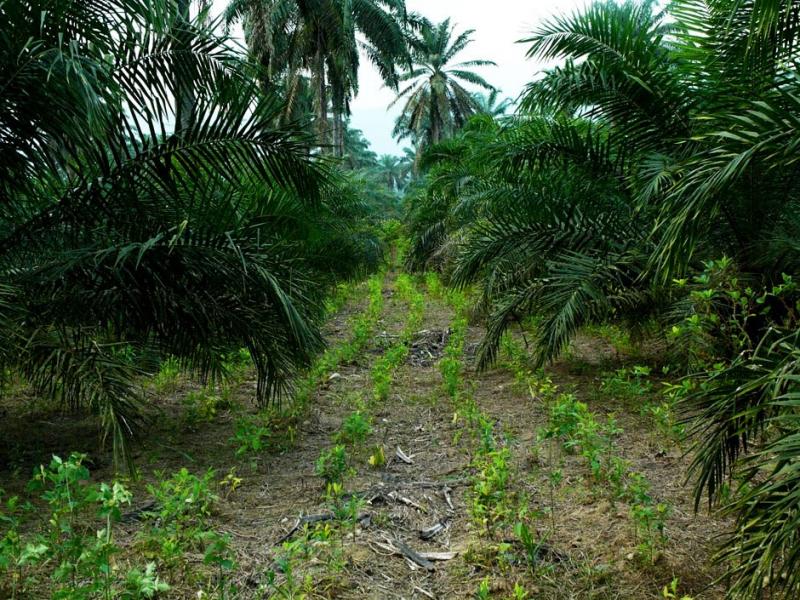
(355, 430)
(166, 380)
(143, 585)
(377, 459)
(333, 465)
(218, 554)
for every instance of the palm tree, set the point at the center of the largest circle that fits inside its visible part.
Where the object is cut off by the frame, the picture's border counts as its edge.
(123, 240)
(389, 170)
(436, 102)
(322, 38)
(490, 104)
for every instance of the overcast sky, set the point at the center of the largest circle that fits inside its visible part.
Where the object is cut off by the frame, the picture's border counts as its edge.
(498, 24)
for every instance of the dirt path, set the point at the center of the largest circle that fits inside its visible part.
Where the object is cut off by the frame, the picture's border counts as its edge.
(585, 544)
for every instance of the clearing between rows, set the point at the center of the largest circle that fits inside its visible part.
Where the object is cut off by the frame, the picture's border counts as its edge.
(470, 487)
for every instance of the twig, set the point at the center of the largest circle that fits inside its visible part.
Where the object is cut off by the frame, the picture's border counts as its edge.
(403, 456)
(446, 492)
(308, 519)
(407, 501)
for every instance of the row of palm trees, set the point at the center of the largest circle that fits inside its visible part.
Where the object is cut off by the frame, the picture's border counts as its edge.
(310, 51)
(159, 199)
(650, 180)
(161, 193)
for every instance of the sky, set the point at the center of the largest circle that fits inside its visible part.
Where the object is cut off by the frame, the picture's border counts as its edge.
(498, 24)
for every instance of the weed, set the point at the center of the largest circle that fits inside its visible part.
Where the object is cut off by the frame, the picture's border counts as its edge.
(670, 592)
(184, 503)
(484, 590)
(489, 502)
(519, 593)
(434, 285)
(290, 587)
(628, 384)
(332, 465)
(166, 380)
(218, 554)
(266, 432)
(354, 431)
(18, 554)
(377, 459)
(383, 371)
(141, 585)
(202, 406)
(531, 546)
(230, 482)
(251, 437)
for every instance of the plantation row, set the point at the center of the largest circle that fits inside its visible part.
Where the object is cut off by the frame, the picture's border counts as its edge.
(648, 182)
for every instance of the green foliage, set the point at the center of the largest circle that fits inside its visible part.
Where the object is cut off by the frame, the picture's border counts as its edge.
(333, 465)
(266, 432)
(202, 406)
(290, 587)
(18, 553)
(74, 545)
(484, 590)
(166, 380)
(628, 384)
(670, 592)
(664, 139)
(183, 504)
(377, 459)
(138, 216)
(143, 585)
(218, 553)
(382, 372)
(531, 546)
(354, 431)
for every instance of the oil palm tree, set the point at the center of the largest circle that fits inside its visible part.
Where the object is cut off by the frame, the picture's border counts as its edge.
(491, 104)
(321, 37)
(437, 103)
(125, 238)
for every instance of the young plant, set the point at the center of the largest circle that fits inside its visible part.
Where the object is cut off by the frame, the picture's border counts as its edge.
(532, 546)
(184, 504)
(355, 430)
(202, 406)
(377, 459)
(670, 592)
(628, 384)
(17, 553)
(333, 465)
(219, 555)
(291, 587)
(166, 380)
(489, 502)
(110, 499)
(143, 585)
(484, 590)
(251, 437)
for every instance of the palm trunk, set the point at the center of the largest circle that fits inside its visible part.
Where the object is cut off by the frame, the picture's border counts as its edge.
(338, 132)
(322, 100)
(184, 87)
